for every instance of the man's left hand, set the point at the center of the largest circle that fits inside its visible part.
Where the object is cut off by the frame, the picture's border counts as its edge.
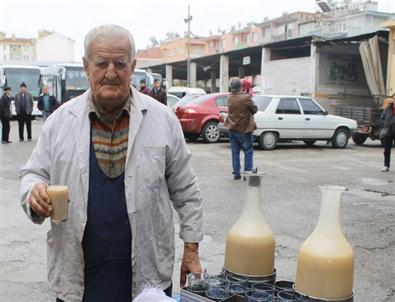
(190, 262)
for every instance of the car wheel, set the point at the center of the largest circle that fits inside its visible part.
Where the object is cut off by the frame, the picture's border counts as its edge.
(309, 142)
(268, 140)
(340, 138)
(359, 138)
(210, 132)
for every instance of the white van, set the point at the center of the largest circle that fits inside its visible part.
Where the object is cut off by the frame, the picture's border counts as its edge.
(180, 91)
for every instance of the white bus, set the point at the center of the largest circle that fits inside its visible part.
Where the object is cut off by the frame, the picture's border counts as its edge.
(13, 75)
(65, 81)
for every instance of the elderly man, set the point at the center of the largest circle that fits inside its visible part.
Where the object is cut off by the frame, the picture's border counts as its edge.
(124, 173)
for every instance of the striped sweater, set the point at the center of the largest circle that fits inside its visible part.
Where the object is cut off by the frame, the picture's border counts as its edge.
(110, 139)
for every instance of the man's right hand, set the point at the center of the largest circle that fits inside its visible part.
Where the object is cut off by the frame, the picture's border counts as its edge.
(39, 200)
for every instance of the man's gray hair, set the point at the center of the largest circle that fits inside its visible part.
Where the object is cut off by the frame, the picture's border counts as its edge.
(109, 31)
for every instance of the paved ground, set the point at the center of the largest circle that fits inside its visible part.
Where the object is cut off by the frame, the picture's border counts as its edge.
(291, 205)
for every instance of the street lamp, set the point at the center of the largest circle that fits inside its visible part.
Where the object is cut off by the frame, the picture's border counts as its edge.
(188, 21)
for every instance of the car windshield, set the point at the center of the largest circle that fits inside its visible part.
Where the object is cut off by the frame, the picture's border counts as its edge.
(76, 79)
(29, 76)
(201, 99)
(262, 101)
(188, 98)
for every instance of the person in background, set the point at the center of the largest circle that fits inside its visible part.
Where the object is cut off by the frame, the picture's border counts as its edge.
(24, 109)
(241, 124)
(159, 93)
(143, 87)
(5, 115)
(388, 125)
(125, 176)
(47, 103)
(247, 87)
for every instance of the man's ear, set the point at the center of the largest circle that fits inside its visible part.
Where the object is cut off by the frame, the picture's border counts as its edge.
(86, 64)
(133, 65)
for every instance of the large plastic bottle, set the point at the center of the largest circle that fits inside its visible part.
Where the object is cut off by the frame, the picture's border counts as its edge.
(326, 260)
(250, 242)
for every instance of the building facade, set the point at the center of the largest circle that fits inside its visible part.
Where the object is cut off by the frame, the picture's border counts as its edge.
(16, 49)
(47, 47)
(52, 46)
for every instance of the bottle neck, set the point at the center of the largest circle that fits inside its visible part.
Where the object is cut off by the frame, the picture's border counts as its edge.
(329, 219)
(252, 206)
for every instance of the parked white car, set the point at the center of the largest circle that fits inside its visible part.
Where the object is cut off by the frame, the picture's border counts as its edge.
(285, 118)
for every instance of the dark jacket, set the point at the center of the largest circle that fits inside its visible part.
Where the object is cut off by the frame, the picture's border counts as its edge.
(53, 103)
(241, 109)
(145, 90)
(5, 107)
(387, 119)
(159, 95)
(28, 104)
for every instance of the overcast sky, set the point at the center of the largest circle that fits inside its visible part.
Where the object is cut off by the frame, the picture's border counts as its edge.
(144, 18)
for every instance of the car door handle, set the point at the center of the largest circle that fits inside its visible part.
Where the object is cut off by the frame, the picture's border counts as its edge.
(280, 118)
(307, 118)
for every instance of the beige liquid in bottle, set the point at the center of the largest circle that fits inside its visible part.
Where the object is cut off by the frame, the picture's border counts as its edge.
(326, 260)
(250, 242)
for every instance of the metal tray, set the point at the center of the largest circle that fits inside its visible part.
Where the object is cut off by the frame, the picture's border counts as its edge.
(187, 296)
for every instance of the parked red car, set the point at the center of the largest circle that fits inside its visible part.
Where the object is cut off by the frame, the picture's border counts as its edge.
(201, 116)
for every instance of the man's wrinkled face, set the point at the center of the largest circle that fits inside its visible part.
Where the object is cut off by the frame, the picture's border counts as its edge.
(23, 89)
(45, 89)
(109, 71)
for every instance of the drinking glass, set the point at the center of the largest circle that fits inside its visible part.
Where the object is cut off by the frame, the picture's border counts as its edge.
(238, 289)
(257, 296)
(289, 296)
(216, 293)
(197, 284)
(264, 287)
(283, 285)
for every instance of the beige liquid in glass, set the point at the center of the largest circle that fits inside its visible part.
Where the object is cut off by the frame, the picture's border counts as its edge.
(326, 260)
(250, 242)
(59, 196)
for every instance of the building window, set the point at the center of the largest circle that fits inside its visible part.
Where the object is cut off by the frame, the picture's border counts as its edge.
(223, 44)
(254, 37)
(235, 40)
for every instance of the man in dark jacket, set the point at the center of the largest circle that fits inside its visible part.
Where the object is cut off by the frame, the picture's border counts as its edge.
(5, 115)
(24, 109)
(388, 123)
(47, 103)
(159, 93)
(241, 124)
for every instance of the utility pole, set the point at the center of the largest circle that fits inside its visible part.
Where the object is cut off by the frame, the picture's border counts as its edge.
(188, 21)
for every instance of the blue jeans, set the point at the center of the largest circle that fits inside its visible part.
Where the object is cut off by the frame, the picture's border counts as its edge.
(45, 115)
(241, 141)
